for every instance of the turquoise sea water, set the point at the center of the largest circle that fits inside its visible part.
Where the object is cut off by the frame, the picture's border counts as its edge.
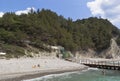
(90, 75)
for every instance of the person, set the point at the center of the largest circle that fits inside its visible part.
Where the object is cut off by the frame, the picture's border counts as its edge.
(103, 72)
(38, 65)
(34, 66)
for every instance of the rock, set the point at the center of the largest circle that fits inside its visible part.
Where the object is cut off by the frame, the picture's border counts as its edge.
(113, 51)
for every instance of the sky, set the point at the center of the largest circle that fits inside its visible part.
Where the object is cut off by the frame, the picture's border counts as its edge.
(75, 9)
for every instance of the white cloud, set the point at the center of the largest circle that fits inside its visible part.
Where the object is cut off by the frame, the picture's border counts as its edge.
(24, 11)
(109, 9)
(1, 14)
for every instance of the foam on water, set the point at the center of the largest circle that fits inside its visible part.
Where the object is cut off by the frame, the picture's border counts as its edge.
(65, 75)
(92, 74)
(93, 69)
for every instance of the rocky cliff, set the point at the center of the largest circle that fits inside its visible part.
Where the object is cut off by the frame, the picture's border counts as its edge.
(113, 51)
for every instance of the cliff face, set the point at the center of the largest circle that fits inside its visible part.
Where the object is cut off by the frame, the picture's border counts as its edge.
(113, 51)
(85, 54)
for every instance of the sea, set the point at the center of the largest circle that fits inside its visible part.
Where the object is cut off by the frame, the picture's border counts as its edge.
(92, 74)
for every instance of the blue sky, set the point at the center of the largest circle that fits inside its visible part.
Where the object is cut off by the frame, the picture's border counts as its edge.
(68, 8)
(75, 9)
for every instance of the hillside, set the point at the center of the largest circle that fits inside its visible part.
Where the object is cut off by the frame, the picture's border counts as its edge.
(46, 27)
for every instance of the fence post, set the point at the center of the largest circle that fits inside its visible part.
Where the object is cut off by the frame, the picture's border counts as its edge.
(113, 63)
(118, 63)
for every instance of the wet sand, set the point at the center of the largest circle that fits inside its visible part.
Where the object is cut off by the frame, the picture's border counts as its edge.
(40, 74)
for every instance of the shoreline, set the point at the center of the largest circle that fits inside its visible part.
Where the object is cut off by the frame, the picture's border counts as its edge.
(28, 68)
(22, 69)
(27, 76)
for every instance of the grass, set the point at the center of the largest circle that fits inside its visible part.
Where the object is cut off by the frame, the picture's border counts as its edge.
(13, 50)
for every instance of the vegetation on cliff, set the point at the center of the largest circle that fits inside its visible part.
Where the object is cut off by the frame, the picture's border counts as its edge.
(46, 27)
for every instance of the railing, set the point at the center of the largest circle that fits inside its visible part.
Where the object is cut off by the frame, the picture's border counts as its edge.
(113, 65)
(85, 61)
